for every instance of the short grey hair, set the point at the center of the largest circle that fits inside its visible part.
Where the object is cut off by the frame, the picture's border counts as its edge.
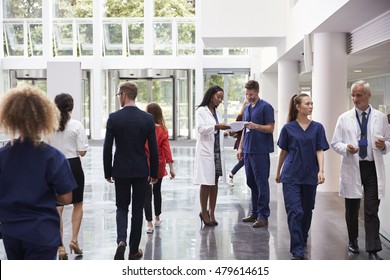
(366, 86)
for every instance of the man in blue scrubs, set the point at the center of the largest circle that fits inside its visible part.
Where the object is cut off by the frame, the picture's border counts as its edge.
(256, 144)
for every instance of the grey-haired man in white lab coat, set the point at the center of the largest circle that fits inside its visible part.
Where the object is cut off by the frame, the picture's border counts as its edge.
(362, 173)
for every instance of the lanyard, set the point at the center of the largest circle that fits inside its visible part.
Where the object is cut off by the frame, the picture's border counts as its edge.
(363, 130)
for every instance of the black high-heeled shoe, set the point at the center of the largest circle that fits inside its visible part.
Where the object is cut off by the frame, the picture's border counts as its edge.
(211, 221)
(209, 224)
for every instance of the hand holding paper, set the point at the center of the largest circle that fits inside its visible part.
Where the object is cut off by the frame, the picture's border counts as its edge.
(236, 126)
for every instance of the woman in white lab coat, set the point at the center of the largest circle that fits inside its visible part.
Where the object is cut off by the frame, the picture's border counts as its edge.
(209, 163)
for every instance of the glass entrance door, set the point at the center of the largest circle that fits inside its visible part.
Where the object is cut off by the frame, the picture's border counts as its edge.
(169, 88)
(158, 90)
(233, 83)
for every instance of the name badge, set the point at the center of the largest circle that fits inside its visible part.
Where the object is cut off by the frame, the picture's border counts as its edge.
(363, 143)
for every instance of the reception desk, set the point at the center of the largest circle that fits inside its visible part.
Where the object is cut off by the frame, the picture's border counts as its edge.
(384, 208)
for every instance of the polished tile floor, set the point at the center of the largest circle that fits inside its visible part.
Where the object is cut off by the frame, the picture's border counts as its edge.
(181, 236)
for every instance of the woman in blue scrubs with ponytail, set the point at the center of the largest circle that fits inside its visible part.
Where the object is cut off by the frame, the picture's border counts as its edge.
(302, 142)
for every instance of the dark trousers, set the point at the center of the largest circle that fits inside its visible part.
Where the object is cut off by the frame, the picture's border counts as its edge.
(371, 207)
(157, 200)
(18, 249)
(130, 190)
(237, 167)
(257, 170)
(299, 202)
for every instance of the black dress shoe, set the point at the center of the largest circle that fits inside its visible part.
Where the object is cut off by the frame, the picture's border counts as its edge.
(374, 256)
(120, 251)
(298, 258)
(136, 256)
(353, 247)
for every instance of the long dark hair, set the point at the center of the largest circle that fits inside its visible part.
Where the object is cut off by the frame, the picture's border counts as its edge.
(64, 102)
(209, 95)
(156, 111)
(294, 101)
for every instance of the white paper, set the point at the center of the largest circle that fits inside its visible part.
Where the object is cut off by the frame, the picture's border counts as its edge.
(236, 126)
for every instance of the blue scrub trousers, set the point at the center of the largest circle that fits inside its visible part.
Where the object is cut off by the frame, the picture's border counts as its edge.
(257, 169)
(18, 249)
(299, 201)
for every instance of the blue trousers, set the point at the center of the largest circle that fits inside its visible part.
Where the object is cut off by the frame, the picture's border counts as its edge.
(299, 201)
(237, 167)
(257, 169)
(18, 249)
(130, 190)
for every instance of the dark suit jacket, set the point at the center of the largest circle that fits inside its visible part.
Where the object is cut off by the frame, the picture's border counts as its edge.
(130, 127)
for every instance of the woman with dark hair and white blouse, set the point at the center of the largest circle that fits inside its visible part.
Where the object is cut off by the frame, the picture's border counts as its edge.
(71, 139)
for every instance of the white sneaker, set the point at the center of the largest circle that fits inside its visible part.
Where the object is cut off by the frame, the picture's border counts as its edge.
(230, 181)
(157, 223)
(149, 230)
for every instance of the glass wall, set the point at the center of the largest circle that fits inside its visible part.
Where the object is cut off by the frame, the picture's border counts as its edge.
(123, 29)
(380, 94)
(233, 85)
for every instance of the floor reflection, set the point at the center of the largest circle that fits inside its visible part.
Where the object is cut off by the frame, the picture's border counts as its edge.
(181, 237)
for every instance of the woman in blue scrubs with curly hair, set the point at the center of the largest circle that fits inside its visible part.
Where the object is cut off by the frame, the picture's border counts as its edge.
(33, 176)
(302, 142)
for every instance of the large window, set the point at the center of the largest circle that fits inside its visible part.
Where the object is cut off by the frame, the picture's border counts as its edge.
(233, 84)
(174, 8)
(124, 9)
(73, 9)
(22, 9)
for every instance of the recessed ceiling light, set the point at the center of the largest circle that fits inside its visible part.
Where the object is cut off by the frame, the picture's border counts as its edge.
(357, 71)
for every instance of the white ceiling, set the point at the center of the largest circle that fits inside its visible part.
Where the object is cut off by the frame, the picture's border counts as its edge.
(374, 61)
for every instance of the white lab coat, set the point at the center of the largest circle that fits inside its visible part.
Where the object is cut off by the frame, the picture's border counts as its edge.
(347, 132)
(204, 151)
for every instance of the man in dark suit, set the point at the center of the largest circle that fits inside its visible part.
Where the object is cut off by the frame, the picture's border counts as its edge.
(130, 127)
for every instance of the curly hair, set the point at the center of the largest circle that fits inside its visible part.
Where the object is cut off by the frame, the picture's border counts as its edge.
(64, 102)
(27, 112)
(156, 111)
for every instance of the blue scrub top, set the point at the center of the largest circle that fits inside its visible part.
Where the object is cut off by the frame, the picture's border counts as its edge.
(301, 166)
(256, 142)
(30, 177)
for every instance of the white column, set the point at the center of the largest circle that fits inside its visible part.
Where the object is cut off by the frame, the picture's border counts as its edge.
(148, 36)
(288, 84)
(269, 92)
(330, 95)
(97, 81)
(65, 76)
(199, 83)
(47, 28)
